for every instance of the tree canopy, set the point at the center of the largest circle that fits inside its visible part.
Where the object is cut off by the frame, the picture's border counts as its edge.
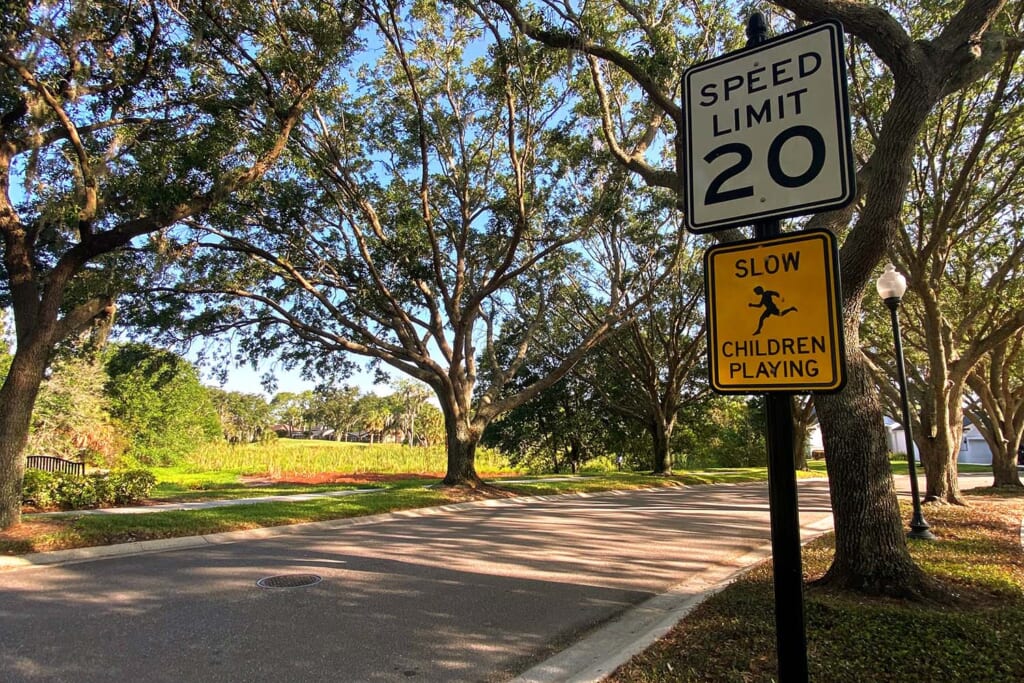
(627, 45)
(436, 198)
(119, 121)
(962, 250)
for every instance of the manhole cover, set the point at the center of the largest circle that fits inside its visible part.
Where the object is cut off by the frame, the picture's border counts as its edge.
(289, 581)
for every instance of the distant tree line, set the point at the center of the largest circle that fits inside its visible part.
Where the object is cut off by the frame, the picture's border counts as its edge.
(133, 403)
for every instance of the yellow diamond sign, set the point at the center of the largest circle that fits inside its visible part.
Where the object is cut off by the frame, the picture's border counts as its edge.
(774, 314)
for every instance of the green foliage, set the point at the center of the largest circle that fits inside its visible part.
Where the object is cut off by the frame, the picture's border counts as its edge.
(429, 425)
(562, 428)
(37, 488)
(71, 416)
(725, 431)
(75, 492)
(411, 398)
(443, 196)
(157, 396)
(335, 408)
(244, 418)
(130, 486)
(559, 430)
(294, 410)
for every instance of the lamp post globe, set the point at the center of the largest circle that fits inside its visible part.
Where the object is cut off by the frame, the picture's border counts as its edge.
(891, 286)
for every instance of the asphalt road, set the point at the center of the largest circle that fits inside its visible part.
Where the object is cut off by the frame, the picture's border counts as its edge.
(478, 593)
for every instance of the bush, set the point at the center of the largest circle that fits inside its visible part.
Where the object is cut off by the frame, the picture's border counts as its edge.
(130, 486)
(37, 488)
(158, 399)
(75, 492)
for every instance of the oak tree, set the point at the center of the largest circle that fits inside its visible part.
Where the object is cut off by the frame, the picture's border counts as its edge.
(438, 197)
(118, 121)
(962, 251)
(923, 68)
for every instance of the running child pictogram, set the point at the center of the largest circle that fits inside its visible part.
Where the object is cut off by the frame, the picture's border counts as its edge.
(770, 309)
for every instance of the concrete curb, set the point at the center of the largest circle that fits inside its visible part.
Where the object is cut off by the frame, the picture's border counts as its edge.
(77, 555)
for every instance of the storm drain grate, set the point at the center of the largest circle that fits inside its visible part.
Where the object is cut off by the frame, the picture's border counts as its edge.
(289, 581)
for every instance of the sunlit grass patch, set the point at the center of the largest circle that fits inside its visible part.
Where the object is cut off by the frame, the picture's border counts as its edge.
(291, 456)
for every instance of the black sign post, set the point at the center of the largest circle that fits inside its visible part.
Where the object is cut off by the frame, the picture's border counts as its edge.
(787, 565)
(767, 138)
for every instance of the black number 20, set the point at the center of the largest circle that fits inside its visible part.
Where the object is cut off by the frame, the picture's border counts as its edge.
(716, 194)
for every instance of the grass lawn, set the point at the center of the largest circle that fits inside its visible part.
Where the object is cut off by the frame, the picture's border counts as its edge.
(296, 466)
(178, 484)
(974, 635)
(195, 481)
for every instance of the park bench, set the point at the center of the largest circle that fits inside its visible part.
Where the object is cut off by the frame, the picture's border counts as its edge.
(52, 463)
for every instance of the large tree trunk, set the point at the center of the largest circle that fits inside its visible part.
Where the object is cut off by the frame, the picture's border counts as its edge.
(17, 398)
(461, 463)
(998, 412)
(660, 435)
(939, 451)
(803, 418)
(871, 551)
(1004, 463)
(461, 439)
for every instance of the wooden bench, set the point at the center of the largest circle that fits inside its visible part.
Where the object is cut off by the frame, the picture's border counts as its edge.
(52, 463)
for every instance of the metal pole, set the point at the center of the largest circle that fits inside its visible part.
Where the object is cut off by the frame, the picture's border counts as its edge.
(791, 632)
(790, 629)
(919, 528)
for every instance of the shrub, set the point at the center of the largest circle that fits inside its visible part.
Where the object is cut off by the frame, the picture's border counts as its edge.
(74, 492)
(37, 488)
(130, 486)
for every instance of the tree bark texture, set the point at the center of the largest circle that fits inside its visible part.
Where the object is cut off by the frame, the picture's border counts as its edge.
(1004, 467)
(998, 412)
(660, 436)
(18, 396)
(863, 493)
(461, 440)
(864, 504)
(939, 445)
(803, 419)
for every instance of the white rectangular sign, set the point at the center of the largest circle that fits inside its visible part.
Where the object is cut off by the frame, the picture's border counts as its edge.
(768, 131)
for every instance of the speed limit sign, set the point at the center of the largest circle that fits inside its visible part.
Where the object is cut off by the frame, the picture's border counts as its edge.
(767, 131)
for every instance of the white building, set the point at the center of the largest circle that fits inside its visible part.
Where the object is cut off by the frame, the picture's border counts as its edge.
(973, 449)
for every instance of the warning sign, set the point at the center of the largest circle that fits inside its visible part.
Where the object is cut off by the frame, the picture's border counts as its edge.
(774, 316)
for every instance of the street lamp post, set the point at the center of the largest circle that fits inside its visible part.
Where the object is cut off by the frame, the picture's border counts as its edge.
(891, 287)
